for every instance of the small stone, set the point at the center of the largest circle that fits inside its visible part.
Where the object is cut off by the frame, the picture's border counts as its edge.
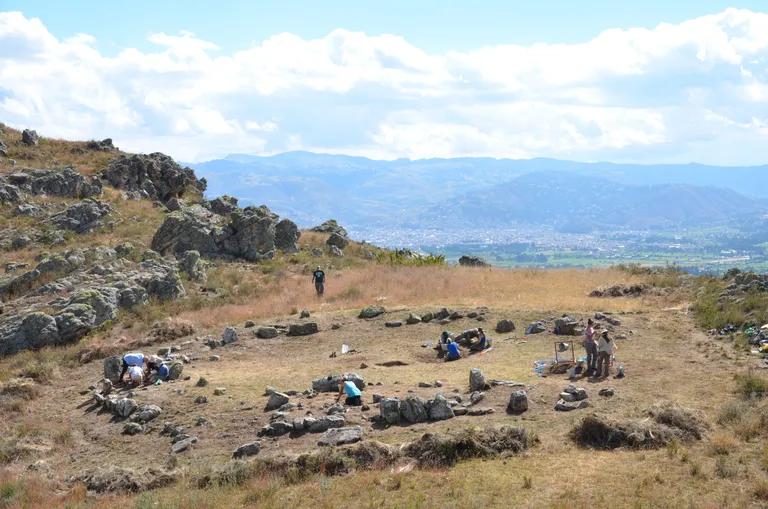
(214, 358)
(505, 326)
(304, 313)
(132, 428)
(476, 397)
(219, 391)
(276, 400)
(607, 392)
(393, 324)
(229, 335)
(249, 323)
(200, 400)
(518, 402)
(245, 450)
(480, 411)
(201, 382)
(183, 445)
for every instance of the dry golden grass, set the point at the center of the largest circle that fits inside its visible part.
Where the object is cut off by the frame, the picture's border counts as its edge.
(52, 153)
(523, 289)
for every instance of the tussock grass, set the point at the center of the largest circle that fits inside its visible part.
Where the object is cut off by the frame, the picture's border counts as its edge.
(751, 385)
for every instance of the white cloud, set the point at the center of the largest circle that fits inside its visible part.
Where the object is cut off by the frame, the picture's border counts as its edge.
(697, 90)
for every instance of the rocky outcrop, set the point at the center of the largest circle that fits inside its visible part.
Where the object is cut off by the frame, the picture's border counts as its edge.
(249, 233)
(81, 217)
(191, 265)
(94, 285)
(337, 241)
(66, 183)
(155, 176)
(330, 226)
(222, 205)
(104, 145)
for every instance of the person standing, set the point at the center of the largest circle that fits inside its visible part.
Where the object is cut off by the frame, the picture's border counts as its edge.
(605, 348)
(318, 277)
(590, 345)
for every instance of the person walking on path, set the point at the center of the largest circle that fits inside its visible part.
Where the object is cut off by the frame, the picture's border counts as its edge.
(318, 277)
(590, 345)
(605, 349)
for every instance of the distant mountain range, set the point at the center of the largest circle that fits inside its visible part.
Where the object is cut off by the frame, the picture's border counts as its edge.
(572, 196)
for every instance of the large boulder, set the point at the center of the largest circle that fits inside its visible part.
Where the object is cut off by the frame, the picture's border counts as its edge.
(330, 226)
(112, 367)
(324, 423)
(302, 329)
(338, 241)
(155, 176)
(189, 229)
(389, 409)
(518, 402)
(413, 409)
(438, 409)
(505, 326)
(477, 380)
(287, 236)
(266, 332)
(567, 326)
(29, 137)
(276, 400)
(341, 436)
(82, 217)
(331, 382)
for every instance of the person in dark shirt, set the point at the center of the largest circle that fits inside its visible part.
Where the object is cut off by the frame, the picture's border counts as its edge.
(318, 277)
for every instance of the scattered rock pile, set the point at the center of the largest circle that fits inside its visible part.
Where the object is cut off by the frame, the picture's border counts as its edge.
(66, 183)
(620, 291)
(572, 398)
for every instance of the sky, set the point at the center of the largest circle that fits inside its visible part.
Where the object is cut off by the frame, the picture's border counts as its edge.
(592, 80)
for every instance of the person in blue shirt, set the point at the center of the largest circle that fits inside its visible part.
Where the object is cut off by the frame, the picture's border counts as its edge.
(129, 360)
(454, 352)
(348, 387)
(482, 341)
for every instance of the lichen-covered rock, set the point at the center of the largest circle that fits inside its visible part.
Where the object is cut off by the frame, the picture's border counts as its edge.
(330, 226)
(518, 402)
(438, 409)
(65, 182)
(222, 205)
(476, 380)
(82, 217)
(389, 409)
(341, 436)
(245, 450)
(276, 400)
(302, 329)
(29, 137)
(192, 265)
(336, 240)
(155, 176)
(146, 413)
(287, 236)
(371, 312)
(413, 409)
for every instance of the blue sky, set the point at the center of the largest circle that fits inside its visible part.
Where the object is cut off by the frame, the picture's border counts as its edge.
(587, 80)
(432, 25)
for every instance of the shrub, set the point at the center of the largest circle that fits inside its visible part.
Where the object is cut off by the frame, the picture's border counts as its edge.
(722, 444)
(751, 386)
(724, 469)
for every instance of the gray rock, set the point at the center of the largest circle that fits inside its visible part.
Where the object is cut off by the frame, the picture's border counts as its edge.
(336, 252)
(266, 332)
(229, 335)
(535, 328)
(330, 226)
(341, 436)
(191, 264)
(325, 422)
(245, 450)
(302, 329)
(607, 392)
(389, 409)
(183, 445)
(335, 409)
(124, 407)
(201, 400)
(65, 182)
(413, 409)
(505, 326)
(219, 391)
(287, 236)
(304, 314)
(156, 175)
(371, 312)
(146, 413)
(82, 217)
(276, 400)
(476, 397)
(132, 428)
(104, 145)
(29, 137)
(518, 402)
(413, 319)
(223, 205)
(438, 409)
(112, 367)
(25, 209)
(567, 406)
(567, 326)
(460, 410)
(393, 324)
(475, 412)
(336, 240)
(331, 383)
(477, 380)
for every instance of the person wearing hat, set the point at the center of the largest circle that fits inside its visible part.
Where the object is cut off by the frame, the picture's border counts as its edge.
(605, 349)
(318, 277)
(354, 396)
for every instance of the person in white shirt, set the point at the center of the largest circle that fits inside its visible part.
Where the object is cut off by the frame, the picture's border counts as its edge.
(136, 375)
(605, 349)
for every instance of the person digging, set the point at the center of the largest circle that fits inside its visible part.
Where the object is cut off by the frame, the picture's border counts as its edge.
(348, 387)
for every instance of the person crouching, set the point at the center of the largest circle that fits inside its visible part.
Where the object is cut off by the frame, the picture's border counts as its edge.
(348, 387)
